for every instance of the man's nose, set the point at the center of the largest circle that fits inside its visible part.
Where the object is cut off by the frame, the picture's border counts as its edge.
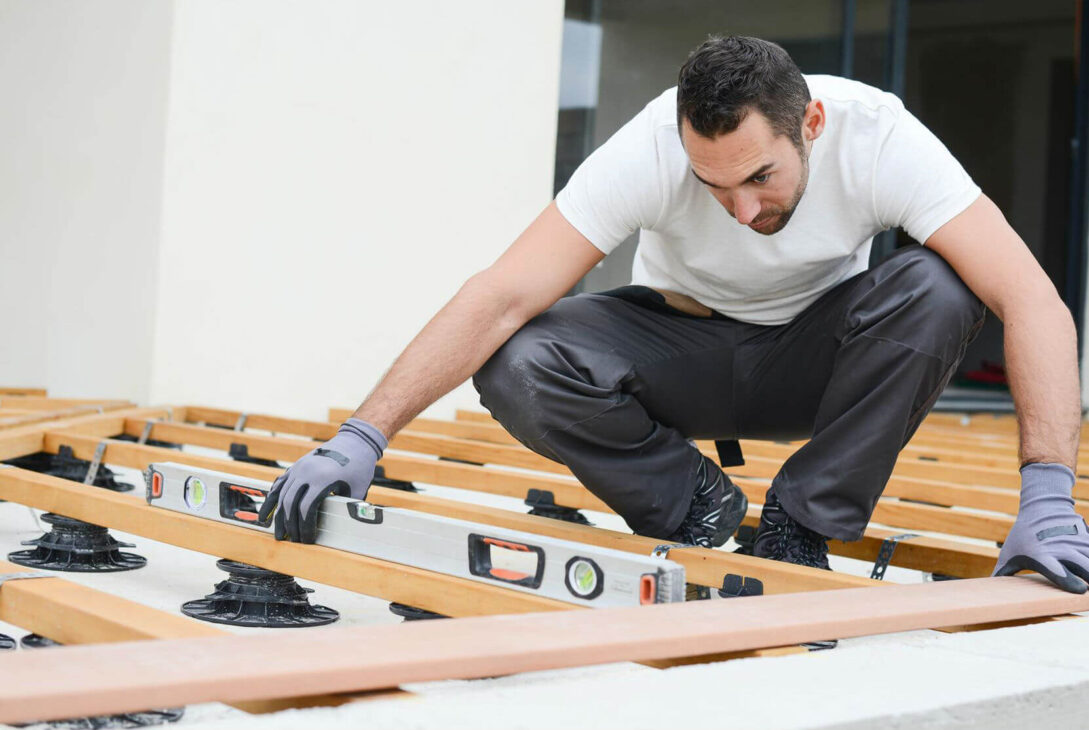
(744, 208)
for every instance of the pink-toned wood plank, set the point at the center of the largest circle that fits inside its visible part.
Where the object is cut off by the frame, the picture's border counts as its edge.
(80, 681)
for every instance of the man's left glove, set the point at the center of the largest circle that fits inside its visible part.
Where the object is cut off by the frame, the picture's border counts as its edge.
(1048, 536)
(343, 465)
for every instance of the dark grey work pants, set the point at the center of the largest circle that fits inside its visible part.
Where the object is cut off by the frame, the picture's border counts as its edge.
(614, 385)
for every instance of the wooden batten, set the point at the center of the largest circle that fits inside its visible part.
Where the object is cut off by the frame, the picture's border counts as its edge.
(72, 681)
(74, 614)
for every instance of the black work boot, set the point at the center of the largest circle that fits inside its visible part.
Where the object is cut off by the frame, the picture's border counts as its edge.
(780, 537)
(717, 509)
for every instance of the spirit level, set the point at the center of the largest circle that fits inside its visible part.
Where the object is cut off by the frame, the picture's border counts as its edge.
(562, 569)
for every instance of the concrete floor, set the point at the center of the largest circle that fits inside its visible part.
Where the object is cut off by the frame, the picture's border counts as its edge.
(1008, 678)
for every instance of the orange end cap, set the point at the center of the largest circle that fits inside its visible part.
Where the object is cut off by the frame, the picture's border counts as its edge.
(648, 589)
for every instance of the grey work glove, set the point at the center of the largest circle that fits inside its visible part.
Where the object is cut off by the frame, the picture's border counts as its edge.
(343, 465)
(1048, 536)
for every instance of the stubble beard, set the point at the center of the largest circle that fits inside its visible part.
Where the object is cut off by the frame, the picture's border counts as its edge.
(784, 217)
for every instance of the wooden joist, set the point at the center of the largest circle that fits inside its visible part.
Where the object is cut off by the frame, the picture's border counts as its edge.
(426, 589)
(29, 439)
(921, 516)
(40, 392)
(74, 681)
(915, 516)
(569, 493)
(919, 450)
(762, 459)
(221, 417)
(924, 554)
(566, 490)
(927, 554)
(944, 438)
(33, 410)
(707, 567)
(907, 514)
(41, 403)
(938, 555)
(11, 418)
(887, 512)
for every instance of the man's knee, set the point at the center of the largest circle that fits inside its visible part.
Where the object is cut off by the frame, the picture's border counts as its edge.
(510, 369)
(550, 373)
(513, 383)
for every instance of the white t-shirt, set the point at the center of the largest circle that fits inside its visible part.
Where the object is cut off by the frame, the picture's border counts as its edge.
(874, 167)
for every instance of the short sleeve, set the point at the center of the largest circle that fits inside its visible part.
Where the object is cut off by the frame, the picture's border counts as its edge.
(918, 184)
(617, 189)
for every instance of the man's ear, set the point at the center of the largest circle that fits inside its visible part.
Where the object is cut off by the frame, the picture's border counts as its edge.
(813, 120)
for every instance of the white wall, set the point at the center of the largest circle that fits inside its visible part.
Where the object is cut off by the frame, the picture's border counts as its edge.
(334, 171)
(82, 112)
(328, 173)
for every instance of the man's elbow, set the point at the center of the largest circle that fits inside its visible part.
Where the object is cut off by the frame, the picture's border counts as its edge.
(509, 307)
(1040, 300)
(1032, 295)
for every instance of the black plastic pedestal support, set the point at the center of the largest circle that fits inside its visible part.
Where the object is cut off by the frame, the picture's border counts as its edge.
(411, 613)
(542, 503)
(253, 596)
(73, 546)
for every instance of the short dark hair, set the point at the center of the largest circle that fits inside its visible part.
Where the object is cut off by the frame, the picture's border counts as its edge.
(727, 77)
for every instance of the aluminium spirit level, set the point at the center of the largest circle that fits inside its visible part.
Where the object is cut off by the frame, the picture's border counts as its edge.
(565, 570)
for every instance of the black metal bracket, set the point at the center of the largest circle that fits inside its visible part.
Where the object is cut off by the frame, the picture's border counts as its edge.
(884, 555)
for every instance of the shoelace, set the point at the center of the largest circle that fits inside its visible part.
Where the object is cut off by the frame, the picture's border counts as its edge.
(794, 541)
(703, 504)
(812, 549)
(702, 519)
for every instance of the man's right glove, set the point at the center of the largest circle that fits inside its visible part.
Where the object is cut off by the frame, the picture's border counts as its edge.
(1048, 536)
(343, 465)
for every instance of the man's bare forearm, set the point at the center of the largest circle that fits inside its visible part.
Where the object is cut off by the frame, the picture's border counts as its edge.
(1042, 362)
(447, 351)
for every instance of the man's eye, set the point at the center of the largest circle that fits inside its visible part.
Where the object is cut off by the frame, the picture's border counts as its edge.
(761, 179)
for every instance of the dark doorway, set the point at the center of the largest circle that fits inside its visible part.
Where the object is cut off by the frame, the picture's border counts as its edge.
(996, 80)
